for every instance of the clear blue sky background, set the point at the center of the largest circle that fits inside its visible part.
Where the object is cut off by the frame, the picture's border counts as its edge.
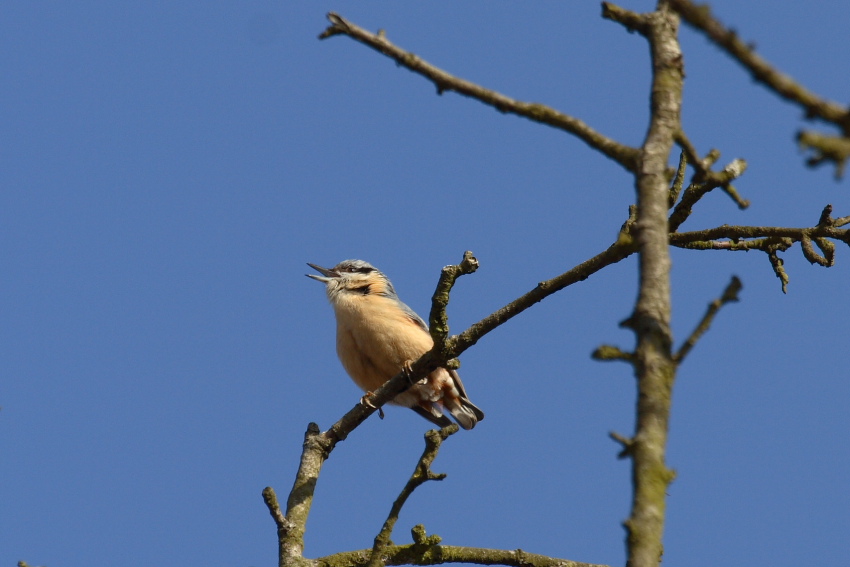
(167, 169)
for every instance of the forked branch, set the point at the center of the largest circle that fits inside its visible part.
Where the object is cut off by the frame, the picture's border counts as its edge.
(772, 240)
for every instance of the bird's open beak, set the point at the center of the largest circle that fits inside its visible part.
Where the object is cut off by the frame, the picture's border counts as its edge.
(327, 275)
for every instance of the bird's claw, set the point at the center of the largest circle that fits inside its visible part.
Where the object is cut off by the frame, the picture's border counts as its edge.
(407, 370)
(365, 401)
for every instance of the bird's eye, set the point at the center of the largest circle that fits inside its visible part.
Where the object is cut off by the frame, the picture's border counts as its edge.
(364, 270)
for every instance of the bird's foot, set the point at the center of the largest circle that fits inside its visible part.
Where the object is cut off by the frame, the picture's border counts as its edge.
(407, 369)
(366, 401)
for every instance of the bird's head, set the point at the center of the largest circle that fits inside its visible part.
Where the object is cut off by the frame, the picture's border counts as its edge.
(353, 277)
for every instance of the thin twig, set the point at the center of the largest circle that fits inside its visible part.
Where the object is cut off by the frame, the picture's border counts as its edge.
(825, 148)
(438, 320)
(624, 155)
(679, 180)
(771, 240)
(730, 294)
(421, 474)
(625, 442)
(702, 184)
(618, 251)
(609, 352)
(283, 525)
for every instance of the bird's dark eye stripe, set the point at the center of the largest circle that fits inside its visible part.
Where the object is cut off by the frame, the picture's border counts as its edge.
(354, 269)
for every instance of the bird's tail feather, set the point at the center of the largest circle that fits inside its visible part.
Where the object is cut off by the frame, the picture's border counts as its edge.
(465, 412)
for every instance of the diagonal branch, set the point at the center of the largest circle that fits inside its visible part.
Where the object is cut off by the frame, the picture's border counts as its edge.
(624, 155)
(615, 253)
(825, 148)
(421, 474)
(704, 183)
(284, 526)
(730, 294)
(699, 17)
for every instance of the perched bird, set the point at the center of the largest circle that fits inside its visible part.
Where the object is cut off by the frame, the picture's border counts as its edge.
(377, 336)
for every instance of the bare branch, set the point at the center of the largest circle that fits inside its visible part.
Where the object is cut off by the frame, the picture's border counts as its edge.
(283, 525)
(438, 321)
(625, 442)
(609, 352)
(313, 455)
(653, 361)
(701, 165)
(702, 184)
(737, 233)
(624, 155)
(428, 551)
(623, 248)
(699, 17)
(772, 240)
(679, 180)
(632, 21)
(421, 474)
(730, 294)
(826, 148)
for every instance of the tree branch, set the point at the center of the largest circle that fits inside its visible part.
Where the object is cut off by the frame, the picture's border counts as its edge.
(421, 474)
(609, 352)
(438, 320)
(428, 551)
(730, 294)
(737, 233)
(772, 240)
(700, 18)
(652, 360)
(705, 181)
(313, 455)
(826, 148)
(703, 166)
(283, 525)
(623, 248)
(624, 155)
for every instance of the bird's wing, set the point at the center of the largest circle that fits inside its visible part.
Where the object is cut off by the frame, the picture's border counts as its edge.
(411, 314)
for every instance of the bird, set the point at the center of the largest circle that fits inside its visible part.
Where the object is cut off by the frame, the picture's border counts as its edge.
(378, 336)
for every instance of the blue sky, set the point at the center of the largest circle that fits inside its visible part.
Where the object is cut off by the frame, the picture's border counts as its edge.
(167, 170)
